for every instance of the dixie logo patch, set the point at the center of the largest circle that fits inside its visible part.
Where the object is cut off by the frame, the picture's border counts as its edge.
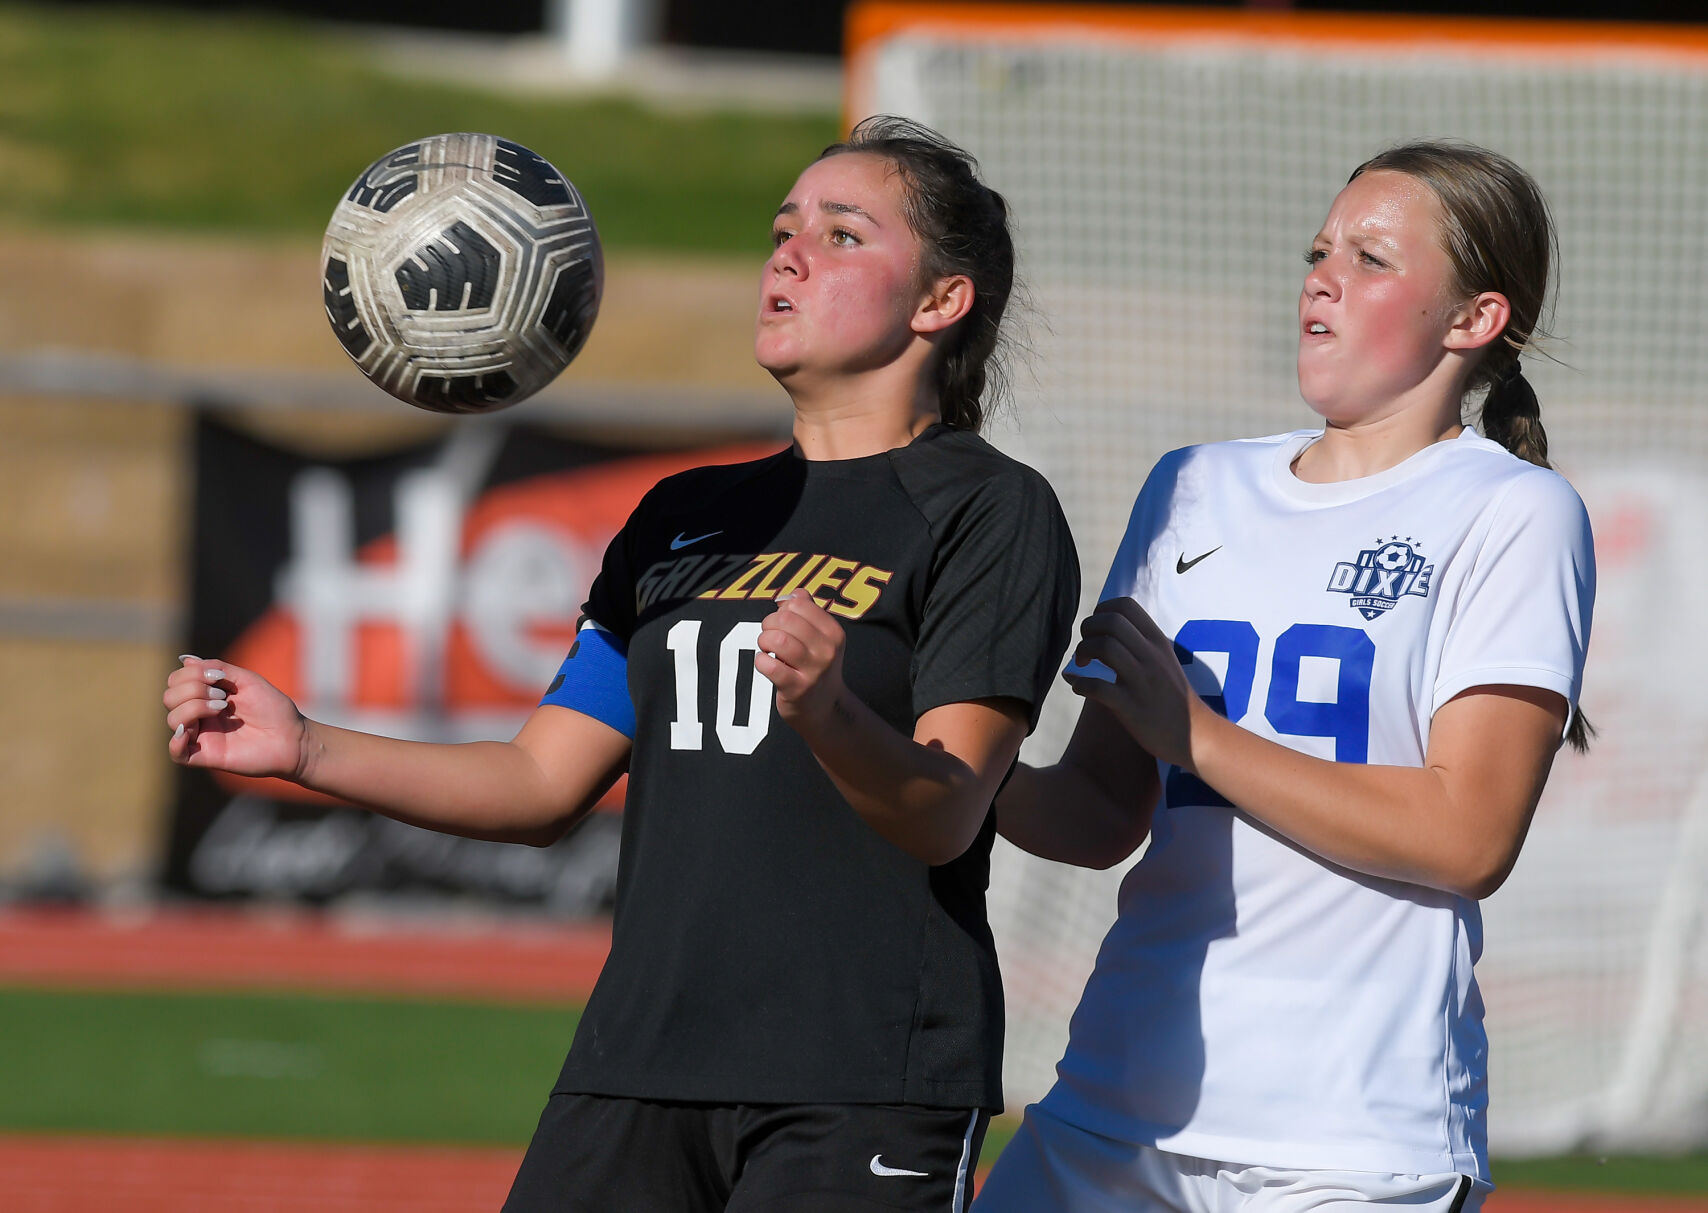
(1382, 575)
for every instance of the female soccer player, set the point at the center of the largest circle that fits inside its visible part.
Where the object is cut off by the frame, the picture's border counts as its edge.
(1338, 663)
(801, 1008)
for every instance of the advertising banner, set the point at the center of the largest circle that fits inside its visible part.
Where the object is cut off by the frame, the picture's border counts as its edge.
(428, 592)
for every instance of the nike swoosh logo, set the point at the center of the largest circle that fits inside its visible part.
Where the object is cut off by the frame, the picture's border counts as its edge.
(682, 541)
(878, 1168)
(1181, 564)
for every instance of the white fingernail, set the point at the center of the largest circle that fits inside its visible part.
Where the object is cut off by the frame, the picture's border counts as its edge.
(771, 655)
(221, 704)
(216, 692)
(213, 674)
(177, 732)
(188, 657)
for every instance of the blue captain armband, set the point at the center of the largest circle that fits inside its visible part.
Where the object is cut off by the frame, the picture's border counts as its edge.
(594, 680)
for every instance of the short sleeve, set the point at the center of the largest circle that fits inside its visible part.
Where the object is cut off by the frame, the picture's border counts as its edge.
(1129, 571)
(593, 678)
(611, 600)
(1523, 614)
(1003, 594)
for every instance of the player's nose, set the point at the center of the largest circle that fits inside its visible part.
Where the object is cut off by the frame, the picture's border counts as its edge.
(787, 258)
(1320, 281)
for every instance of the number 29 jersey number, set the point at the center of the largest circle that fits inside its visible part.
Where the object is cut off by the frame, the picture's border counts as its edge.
(1254, 1002)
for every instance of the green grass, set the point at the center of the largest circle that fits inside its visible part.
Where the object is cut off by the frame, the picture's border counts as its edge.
(370, 1069)
(277, 1066)
(1679, 1175)
(134, 117)
(997, 1136)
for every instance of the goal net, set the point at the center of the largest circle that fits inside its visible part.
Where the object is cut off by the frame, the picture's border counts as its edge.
(1167, 169)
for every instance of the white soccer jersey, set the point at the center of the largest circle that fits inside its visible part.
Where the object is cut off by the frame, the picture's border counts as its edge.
(1253, 1002)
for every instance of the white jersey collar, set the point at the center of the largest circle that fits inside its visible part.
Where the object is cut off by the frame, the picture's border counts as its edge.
(1341, 491)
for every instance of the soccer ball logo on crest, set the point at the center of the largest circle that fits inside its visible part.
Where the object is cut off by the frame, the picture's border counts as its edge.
(1381, 576)
(1391, 557)
(462, 272)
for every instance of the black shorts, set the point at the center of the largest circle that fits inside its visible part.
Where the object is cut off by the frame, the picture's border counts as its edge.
(600, 1154)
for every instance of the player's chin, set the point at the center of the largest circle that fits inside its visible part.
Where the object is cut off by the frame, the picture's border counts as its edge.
(1327, 401)
(778, 353)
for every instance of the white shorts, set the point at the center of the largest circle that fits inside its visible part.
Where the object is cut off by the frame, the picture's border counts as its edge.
(1054, 1166)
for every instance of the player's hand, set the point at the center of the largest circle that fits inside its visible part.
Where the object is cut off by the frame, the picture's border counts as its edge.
(231, 719)
(1149, 694)
(800, 651)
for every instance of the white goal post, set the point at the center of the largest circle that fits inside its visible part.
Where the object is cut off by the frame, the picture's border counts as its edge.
(1166, 169)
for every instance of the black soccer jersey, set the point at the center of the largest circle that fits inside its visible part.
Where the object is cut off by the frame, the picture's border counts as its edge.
(768, 945)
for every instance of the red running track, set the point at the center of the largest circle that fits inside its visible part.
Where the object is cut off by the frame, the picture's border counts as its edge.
(233, 950)
(108, 1175)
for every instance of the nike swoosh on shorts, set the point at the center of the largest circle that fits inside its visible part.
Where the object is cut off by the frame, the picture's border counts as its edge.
(878, 1168)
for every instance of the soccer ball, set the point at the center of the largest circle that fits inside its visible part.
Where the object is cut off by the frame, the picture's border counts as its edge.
(462, 272)
(1393, 556)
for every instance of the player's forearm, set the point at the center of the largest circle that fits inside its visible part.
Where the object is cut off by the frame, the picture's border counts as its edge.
(1401, 823)
(923, 798)
(1063, 813)
(491, 790)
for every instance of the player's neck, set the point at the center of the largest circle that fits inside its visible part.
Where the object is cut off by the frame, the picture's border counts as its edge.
(858, 419)
(1352, 450)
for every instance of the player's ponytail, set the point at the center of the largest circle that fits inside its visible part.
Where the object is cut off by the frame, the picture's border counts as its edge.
(1512, 416)
(1497, 231)
(962, 225)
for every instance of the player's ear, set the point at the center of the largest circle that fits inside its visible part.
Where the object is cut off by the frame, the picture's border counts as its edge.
(1479, 320)
(944, 302)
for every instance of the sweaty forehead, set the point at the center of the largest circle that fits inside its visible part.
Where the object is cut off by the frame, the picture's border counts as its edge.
(1384, 203)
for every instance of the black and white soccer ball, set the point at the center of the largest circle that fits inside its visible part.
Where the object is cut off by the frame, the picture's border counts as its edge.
(462, 272)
